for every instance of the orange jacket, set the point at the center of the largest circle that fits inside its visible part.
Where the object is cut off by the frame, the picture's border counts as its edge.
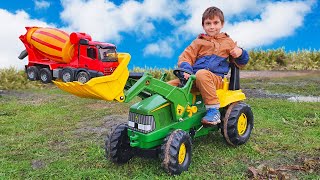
(210, 53)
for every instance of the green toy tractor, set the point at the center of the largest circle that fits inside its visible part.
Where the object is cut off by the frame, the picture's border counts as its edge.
(167, 118)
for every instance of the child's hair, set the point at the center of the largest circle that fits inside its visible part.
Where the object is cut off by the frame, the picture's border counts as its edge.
(210, 12)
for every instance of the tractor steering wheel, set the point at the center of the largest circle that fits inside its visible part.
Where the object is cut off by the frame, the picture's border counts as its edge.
(179, 73)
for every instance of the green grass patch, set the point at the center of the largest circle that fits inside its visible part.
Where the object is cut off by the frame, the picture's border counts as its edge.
(62, 136)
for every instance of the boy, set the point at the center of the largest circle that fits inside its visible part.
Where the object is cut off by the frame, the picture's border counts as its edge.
(207, 58)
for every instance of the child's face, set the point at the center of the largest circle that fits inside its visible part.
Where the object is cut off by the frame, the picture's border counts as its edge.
(212, 26)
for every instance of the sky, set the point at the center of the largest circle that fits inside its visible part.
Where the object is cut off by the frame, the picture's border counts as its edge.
(155, 32)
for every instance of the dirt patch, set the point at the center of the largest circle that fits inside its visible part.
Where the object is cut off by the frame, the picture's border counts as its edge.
(267, 171)
(259, 93)
(99, 105)
(29, 98)
(275, 74)
(38, 164)
(89, 129)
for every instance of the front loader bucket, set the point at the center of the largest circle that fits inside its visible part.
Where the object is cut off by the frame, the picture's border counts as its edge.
(106, 88)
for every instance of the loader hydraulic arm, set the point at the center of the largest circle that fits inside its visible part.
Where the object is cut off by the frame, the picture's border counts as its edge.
(181, 98)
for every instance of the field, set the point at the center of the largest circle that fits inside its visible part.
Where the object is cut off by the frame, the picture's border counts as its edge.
(46, 133)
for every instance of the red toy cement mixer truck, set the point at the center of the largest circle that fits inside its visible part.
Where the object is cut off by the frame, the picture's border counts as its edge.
(54, 54)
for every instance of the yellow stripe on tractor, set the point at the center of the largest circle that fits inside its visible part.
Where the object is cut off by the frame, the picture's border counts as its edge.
(106, 88)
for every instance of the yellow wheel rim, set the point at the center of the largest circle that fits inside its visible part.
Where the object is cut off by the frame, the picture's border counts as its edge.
(242, 124)
(182, 153)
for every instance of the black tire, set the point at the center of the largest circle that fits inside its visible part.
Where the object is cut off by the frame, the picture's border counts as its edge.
(176, 152)
(83, 77)
(237, 128)
(118, 147)
(67, 75)
(45, 75)
(32, 73)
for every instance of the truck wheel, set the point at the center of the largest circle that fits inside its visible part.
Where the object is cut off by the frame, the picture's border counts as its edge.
(176, 152)
(67, 75)
(237, 126)
(45, 75)
(32, 73)
(118, 147)
(83, 77)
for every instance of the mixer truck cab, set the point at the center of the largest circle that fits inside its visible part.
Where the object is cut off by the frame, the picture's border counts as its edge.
(54, 54)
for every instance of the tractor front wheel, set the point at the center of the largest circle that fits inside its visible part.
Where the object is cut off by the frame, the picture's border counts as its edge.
(118, 147)
(237, 124)
(176, 152)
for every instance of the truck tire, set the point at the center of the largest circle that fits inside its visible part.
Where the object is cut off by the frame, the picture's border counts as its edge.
(237, 124)
(32, 73)
(176, 152)
(67, 75)
(118, 147)
(83, 77)
(45, 75)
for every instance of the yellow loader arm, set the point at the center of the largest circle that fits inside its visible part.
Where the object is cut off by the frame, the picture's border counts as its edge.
(107, 88)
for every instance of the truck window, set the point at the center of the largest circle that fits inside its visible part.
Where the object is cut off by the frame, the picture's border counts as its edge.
(91, 53)
(108, 54)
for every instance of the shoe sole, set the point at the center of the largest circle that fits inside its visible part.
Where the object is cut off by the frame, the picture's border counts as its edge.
(210, 123)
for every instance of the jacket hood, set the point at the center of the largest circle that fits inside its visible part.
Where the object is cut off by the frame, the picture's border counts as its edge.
(209, 38)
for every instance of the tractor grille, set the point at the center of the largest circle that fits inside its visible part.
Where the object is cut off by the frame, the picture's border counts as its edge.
(141, 123)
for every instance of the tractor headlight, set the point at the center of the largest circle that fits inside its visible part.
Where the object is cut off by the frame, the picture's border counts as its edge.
(141, 123)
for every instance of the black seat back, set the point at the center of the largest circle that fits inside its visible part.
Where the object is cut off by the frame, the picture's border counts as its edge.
(234, 77)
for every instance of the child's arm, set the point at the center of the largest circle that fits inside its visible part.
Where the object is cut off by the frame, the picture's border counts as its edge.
(188, 57)
(241, 56)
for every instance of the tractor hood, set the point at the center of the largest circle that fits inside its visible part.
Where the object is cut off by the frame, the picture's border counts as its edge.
(149, 105)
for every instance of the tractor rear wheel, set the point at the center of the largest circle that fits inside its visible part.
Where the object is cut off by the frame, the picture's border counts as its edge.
(118, 147)
(45, 75)
(32, 73)
(176, 152)
(237, 124)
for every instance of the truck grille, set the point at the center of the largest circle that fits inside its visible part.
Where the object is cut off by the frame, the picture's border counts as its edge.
(141, 123)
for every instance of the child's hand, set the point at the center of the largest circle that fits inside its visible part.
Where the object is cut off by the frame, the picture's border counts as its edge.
(186, 76)
(236, 52)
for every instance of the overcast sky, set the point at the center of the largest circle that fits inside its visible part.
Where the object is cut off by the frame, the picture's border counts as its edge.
(155, 32)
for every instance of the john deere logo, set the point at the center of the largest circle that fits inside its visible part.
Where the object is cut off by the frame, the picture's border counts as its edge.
(180, 110)
(136, 118)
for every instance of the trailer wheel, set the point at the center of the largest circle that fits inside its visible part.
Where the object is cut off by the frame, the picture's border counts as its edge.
(118, 147)
(176, 152)
(83, 77)
(67, 75)
(32, 73)
(237, 126)
(45, 75)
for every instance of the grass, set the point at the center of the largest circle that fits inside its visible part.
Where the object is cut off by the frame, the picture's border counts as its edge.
(11, 78)
(279, 59)
(46, 133)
